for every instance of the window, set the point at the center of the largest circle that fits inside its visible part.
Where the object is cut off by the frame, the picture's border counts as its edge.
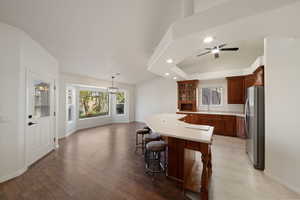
(212, 96)
(93, 104)
(120, 103)
(70, 104)
(41, 99)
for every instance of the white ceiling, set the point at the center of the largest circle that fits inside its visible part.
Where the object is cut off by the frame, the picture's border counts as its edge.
(228, 21)
(96, 37)
(202, 5)
(248, 52)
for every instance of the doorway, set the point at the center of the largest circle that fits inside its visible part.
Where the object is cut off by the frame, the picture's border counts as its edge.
(40, 114)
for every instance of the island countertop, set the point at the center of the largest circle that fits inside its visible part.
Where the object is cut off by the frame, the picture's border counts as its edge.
(170, 125)
(238, 114)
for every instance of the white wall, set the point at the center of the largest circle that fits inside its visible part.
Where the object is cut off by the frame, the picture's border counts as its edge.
(155, 96)
(202, 5)
(11, 156)
(78, 81)
(225, 106)
(282, 110)
(17, 52)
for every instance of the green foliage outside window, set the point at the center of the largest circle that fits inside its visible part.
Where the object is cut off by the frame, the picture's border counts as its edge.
(120, 104)
(120, 97)
(93, 104)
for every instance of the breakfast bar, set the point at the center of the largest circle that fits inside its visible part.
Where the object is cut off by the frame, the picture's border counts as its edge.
(183, 141)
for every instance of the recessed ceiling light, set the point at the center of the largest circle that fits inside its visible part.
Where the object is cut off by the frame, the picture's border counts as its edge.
(208, 39)
(167, 74)
(214, 51)
(175, 78)
(169, 61)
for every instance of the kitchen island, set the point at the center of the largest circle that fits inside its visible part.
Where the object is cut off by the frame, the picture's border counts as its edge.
(183, 141)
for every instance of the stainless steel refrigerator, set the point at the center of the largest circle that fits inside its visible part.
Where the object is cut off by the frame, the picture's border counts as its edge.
(255, 126)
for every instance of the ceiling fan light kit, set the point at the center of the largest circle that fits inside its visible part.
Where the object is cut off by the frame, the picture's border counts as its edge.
(217, 49)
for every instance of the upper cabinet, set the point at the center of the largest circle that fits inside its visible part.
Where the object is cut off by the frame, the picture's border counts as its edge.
(238, 85)
(259, 76)
(187, 95)
(236, 90)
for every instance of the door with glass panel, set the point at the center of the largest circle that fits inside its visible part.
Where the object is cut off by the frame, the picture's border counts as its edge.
(40, 117)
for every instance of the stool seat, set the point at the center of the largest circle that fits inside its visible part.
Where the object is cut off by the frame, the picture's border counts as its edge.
(152, 137)
(156, 146)
(147, 127)
(142, 131)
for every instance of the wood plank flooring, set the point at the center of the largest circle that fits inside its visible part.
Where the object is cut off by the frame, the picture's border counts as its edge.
(101, 163)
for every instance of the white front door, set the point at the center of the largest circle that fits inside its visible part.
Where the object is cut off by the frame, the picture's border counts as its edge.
(40, 125)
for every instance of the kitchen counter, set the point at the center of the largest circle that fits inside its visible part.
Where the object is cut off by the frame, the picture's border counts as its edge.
(238, 114)
(184, 140)
(170, 125)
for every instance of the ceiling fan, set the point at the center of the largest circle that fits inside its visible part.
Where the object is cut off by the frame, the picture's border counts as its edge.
(216, 50)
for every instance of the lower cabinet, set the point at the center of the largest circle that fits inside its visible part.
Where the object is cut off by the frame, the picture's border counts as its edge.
(175, 158)
(223, 124)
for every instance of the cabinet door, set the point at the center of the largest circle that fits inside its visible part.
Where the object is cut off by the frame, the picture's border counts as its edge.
(236, 90)
(249, 80)
(230, 125)
(176, 158)
(259, 76)
(219, 126)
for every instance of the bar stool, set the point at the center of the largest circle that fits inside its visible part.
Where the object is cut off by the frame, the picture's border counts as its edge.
(148, 128)
(154, 165)
(151, 137)
(142, 133)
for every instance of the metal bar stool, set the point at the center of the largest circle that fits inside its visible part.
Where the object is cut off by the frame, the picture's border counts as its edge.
(154, 164)
(142, 133)
(151, 137)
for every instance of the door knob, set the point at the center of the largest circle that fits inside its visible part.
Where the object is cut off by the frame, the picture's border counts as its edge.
(31, 123)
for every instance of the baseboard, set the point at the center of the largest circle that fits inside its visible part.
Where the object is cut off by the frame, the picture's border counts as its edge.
(13, 175)
(71, 132)
(279, 180)
(139, 121)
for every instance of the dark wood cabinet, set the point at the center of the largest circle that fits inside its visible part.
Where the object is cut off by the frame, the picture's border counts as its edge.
(223, 124)
(175, 158)
(259, 79)
(237, 86)
(249, 80)
(236, 90)
(187, 95)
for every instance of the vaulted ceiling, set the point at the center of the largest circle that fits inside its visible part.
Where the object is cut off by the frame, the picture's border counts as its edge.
(96, 37)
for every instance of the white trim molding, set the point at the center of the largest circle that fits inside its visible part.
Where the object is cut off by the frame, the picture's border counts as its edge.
(13, 175)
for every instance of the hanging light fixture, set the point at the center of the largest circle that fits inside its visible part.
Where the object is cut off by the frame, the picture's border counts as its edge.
(112, 89)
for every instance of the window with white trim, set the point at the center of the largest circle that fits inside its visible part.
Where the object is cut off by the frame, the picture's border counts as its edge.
(93, 103)
(120, 103)
(70, 105)
(212, 96)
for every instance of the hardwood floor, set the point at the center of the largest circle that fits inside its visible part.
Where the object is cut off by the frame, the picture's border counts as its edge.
(98, 163)
(101, 163)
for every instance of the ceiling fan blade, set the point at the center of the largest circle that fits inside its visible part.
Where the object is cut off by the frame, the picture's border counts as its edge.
(230, 49)
(216, 55)
(208, 49)
(222, 45)
(205, 53)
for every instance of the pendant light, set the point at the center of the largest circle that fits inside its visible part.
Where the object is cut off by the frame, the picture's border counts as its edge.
(112, 89)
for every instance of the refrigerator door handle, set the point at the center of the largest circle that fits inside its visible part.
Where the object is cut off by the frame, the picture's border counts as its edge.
(246, 116)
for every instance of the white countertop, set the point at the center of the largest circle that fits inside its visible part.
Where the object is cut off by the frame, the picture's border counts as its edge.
(169, 125)
(238, 114)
